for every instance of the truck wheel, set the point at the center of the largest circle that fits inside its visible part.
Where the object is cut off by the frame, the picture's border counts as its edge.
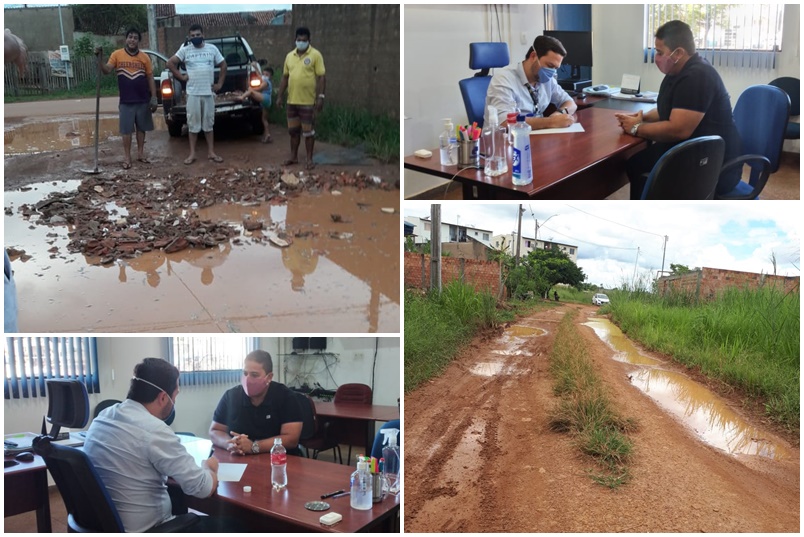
(174, 128)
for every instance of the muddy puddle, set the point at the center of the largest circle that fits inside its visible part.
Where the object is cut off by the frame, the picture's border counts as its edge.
(701, 410)
(510, 343)
(31, 138)
(336, 277)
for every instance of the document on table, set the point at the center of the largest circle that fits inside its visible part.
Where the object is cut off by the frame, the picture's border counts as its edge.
(229, 471)
(575, 127)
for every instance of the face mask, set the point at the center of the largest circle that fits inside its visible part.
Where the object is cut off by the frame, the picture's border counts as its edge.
(172, 409)
(302, 45)
(196, 41)
(254, 387)
(665, 63)
(546, 74)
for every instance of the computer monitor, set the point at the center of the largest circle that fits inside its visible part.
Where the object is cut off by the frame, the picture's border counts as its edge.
(579, 49)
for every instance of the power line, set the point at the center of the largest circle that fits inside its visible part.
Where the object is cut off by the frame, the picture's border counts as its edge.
(587, 242)
(616, 223)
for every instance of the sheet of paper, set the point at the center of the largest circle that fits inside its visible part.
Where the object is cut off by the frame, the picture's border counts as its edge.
(197, 447)
(630, 82)
(575, 127)
(229, 471)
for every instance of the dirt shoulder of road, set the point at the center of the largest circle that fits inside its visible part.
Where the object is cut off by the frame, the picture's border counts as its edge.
(480, 456)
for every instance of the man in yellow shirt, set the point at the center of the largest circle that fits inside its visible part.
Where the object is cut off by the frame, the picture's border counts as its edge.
(303, 78)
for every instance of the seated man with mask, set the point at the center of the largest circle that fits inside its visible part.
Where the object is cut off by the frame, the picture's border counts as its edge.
(134, 451)
(251, 415)
(530, 86)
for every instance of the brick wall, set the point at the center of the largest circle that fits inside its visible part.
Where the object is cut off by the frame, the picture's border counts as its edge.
(707, 282)
(482, 275)
(359, 43)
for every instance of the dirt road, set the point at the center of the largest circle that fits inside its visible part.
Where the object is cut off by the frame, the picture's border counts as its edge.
(479, 454)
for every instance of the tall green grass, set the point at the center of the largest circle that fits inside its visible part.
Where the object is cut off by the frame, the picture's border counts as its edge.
(437, 326)
(748, 338)
(584, 409)
(570, 294)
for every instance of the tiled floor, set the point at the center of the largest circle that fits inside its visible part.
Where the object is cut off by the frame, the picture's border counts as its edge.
(785, 184)
(26, 522)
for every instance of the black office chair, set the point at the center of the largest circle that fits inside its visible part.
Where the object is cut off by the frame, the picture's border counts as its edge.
(317, 435)
(483, 56)
(688, 171)
(791, 86)
(761, 138)
(89, 506)
(103, 405)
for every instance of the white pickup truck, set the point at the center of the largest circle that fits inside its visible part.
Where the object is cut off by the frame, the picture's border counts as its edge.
(241, 74)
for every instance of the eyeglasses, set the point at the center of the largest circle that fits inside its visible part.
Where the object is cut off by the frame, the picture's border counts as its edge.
(534, 96)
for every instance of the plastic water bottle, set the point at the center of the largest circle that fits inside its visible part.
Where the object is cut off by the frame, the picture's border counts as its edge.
(279, 465)
(495, 146)
(362, 487)
(449, 144)
(390, 455)
(522, 161)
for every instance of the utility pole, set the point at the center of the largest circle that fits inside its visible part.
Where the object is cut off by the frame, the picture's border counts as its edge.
(152, 39)
(518, 235)
(435, 247)
(664, 251)
(633, 284)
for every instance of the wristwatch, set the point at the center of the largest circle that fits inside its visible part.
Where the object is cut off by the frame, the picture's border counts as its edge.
(635, 128)
(564, 111)
(320, 95)
(255, 447)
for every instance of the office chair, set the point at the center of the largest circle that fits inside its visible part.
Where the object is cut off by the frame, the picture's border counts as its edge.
(376, 448)
(688, 171)
(89, 506)
(762, 137)
(317, 435)
(483, 56)
(792, 87)
(355, 394)
(103, 405)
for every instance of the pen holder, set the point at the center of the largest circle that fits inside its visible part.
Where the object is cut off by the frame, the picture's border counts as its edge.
(377, 489)
(469, 153)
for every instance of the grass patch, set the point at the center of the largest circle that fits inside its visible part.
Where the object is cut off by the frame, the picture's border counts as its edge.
(584, 409)
(747, 338)
(84, 90)
(570, 294)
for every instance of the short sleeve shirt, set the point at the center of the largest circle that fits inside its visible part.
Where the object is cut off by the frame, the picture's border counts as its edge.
(280, 406)
(698, 87)
(509, 91)
(133, 72)
(302, 72)
(200, 63)
(134, 453)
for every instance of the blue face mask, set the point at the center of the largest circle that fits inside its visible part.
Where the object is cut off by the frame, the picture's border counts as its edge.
(196, 41)
(546, 74)
(302, 45)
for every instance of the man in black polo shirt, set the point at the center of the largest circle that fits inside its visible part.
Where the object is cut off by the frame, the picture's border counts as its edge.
(692, 102)
(251, 415)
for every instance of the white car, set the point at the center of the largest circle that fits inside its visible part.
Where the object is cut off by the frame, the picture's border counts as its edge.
(599, 299)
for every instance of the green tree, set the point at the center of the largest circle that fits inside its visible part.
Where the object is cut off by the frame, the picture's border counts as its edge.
(540, 270)
(675, 270)
(109, 19)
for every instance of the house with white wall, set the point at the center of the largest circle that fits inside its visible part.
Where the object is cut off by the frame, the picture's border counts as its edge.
(507, 243)
(449, 232)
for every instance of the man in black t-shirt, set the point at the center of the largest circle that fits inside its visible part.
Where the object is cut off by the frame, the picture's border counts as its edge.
(250, 416)
(692, 102)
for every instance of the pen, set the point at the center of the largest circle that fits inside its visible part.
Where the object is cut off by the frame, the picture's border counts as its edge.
(211, 451)
(341, 494)
(331, 494)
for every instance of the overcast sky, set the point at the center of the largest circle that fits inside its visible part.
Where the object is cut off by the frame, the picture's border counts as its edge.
(186, 9)
(729, 235)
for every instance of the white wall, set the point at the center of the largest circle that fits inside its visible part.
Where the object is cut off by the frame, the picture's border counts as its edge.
(436, 44)
(117, 357)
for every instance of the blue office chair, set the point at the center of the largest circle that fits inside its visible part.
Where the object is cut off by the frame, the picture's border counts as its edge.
(688, 171)
(762, 135)
(89, 506)
(483, 56)
(376, 448)
(792, 87)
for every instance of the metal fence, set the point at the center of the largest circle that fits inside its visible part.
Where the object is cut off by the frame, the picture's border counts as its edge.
(40, 78)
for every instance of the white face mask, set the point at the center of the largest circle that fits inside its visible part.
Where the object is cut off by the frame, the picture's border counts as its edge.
(302, 45)
(161, 390)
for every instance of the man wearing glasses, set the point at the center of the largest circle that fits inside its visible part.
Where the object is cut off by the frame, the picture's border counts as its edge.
(530, 86)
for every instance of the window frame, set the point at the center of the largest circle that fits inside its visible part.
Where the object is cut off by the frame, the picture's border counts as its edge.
(78, 354)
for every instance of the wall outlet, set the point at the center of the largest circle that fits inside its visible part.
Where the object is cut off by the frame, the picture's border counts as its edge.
(523, 38)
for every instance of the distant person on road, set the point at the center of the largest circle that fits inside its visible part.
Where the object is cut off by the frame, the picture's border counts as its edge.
(303, 78)
(201, 59)
(137, 92)
(263, 95)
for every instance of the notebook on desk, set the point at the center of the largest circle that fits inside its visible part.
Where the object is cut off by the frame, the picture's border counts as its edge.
(644, 97)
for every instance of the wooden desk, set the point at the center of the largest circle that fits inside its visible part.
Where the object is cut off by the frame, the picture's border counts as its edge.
(584, 165)
(355, 421)
(26, 490)
(267, 510)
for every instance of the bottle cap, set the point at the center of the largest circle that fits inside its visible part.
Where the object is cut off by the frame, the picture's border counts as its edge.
(246, 489)
(512, 117)
(520, 117)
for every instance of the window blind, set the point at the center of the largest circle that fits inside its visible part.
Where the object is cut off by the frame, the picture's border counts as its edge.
(727, 35)
(29, 361)
(209, 360)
